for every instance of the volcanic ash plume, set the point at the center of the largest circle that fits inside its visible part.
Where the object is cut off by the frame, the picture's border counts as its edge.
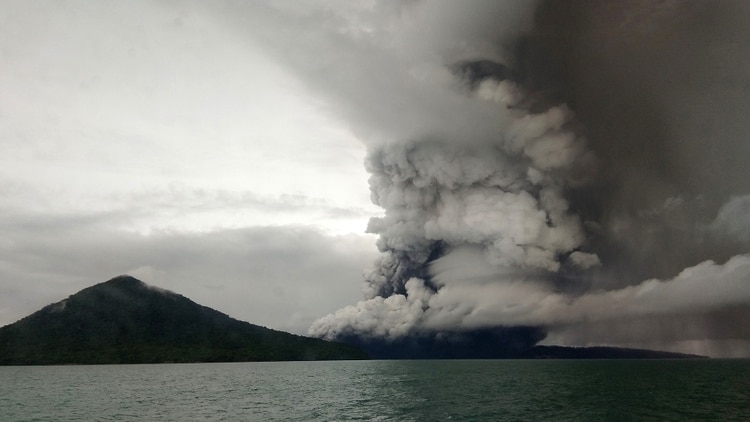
(466, 215)
(574, 169)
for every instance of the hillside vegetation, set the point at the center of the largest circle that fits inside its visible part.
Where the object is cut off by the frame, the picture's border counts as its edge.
(124, 320)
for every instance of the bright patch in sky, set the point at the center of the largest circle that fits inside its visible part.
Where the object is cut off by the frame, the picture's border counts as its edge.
(165, 120)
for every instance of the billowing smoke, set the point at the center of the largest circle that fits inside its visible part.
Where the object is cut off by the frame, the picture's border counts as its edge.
(573, 169)
(467, 214)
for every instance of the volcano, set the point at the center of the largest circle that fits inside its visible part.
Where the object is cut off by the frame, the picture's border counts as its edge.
(124, 320)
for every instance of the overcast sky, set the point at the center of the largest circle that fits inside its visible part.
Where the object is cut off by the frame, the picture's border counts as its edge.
(155, 139)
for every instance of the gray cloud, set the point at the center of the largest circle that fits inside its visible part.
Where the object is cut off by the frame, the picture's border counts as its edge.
(659, 89)
(544, 163)
(733, 220)
(281, 277)
(691, 306)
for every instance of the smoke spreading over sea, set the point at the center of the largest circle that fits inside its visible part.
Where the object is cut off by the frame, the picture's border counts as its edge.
(568, 172)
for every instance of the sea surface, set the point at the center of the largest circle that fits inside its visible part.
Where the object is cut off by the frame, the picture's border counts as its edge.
(463, 390)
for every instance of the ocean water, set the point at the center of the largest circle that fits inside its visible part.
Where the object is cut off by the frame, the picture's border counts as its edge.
(468, 390)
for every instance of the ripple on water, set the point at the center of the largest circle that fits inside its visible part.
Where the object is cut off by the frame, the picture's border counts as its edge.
(381, 391)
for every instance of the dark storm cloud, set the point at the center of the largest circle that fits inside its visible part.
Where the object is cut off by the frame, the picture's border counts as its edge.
(660, 88)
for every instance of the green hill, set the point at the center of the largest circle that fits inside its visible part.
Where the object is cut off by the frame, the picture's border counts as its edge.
(124, 320)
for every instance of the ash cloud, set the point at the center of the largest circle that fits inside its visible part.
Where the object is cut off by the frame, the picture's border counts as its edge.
(564, 166)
